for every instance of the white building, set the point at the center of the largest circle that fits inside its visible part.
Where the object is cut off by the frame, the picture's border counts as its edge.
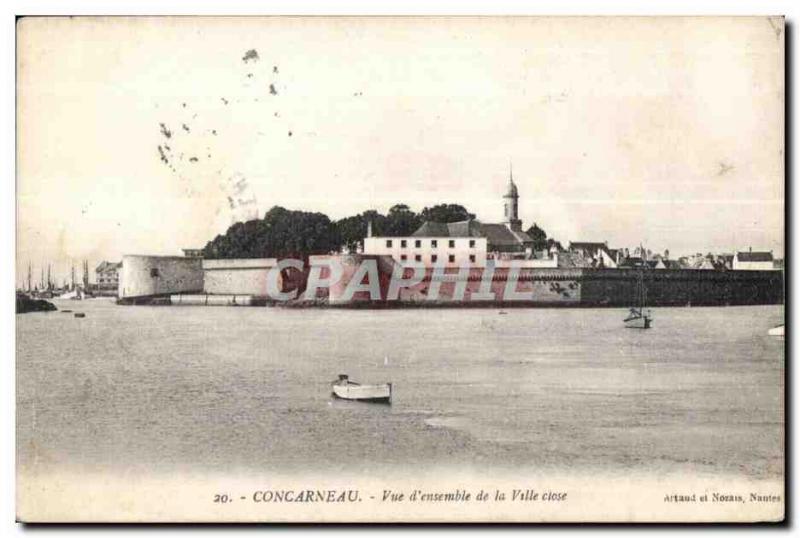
(468, 243)
(753, 261)
(446, 251)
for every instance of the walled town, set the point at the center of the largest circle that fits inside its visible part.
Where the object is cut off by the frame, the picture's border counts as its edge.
(496, 263)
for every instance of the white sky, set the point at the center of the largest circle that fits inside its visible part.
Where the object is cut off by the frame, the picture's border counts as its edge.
(663, 131)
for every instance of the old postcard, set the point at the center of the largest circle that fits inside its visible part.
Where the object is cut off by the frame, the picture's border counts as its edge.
(400, 269)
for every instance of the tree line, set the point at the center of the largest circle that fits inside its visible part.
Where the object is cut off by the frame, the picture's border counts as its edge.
(287, 233)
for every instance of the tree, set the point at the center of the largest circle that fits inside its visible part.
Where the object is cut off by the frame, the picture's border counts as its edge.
(281, 233)
(539, 237)
(446, 213)
(541, 241)
(402, 221)
(553, 243)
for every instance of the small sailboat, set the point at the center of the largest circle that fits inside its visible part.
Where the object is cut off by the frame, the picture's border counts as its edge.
(778, 330)
(350, 390)
(638, 316)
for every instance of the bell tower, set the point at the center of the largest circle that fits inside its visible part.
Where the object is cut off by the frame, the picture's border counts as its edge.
(511, 204)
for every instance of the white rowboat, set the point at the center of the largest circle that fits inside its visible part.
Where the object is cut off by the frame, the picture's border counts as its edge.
(777, 331)
(349, 390)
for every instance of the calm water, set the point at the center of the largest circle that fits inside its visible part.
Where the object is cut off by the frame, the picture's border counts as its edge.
(191, 389)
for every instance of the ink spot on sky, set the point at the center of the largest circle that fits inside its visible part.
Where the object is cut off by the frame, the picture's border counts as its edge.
(185, 128)
(724, 168)
(214, 132)
(290, 133)
(163, 155)
(274, 68)
(272, 89)
(193, 159)
(224, 100)
(250, 56)
(166, 132)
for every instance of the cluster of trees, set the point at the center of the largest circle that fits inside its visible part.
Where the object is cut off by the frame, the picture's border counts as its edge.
(540, 239)
(286, 233)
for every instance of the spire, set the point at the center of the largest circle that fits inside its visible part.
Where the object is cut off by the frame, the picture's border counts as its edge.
(512, 187)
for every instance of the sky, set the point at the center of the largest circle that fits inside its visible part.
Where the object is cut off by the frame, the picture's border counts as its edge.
(149, 135)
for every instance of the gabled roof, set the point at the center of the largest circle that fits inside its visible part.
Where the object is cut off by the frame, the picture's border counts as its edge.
(633, 261)
(587, 245)
(502, 235)
(754, 256)
(495, 234)
(464, 228)
(106, 266)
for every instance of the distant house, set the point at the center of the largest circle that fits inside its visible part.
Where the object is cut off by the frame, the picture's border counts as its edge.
(633, 262)
(193, 252)
(663, 263)
(107, 275)
(753, 261)
(599, 253)
(703, 263)
(727, 260)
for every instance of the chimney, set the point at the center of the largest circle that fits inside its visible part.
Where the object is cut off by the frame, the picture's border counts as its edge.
(369, 228)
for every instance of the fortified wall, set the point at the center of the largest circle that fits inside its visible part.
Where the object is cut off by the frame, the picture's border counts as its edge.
(366, 282)
(553, 287)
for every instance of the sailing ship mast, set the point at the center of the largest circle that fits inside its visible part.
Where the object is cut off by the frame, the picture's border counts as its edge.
(85, 275)
(638, 317)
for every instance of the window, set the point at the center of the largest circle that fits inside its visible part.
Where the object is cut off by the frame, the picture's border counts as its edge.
(434, 257)
(154, 272)
(434, 243)
(451, 258)
(452, 243)
(417, 243)
(418, 258)
(388, 243)
(472, 258)
(403, 257)
(402, 243)
(471, 243)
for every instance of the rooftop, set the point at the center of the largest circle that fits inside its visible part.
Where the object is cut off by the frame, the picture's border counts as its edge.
(754, 256)
(496, 234)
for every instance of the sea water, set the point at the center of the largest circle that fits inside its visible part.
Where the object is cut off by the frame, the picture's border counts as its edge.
(169, 389)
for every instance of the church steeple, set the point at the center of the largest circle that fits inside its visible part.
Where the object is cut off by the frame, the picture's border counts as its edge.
(511, 203)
